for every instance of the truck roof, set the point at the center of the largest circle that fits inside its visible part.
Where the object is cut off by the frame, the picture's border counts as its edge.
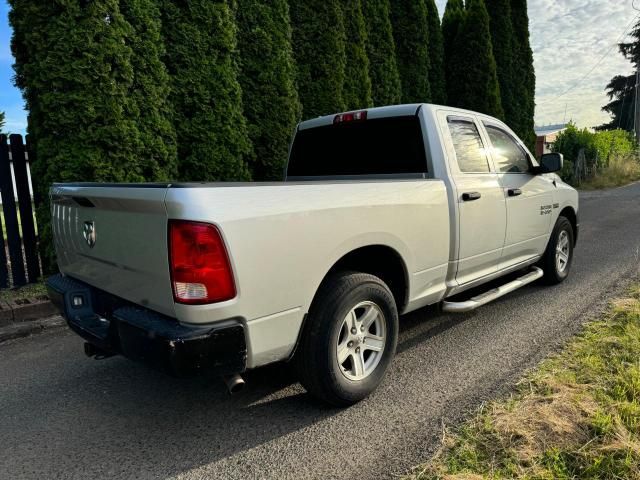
(381, 112)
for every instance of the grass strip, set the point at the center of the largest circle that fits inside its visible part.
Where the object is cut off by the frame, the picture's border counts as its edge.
(577, 416)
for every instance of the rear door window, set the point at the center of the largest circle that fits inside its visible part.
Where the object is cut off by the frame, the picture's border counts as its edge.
(383, 146)
(467, 143)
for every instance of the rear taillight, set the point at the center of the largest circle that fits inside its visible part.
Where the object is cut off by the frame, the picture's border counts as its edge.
(200, 268)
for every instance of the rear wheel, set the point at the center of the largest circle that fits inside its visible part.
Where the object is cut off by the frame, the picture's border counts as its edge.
(558, 257)
(349, 340)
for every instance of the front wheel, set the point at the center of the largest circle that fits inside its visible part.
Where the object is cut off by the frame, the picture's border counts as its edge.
(349, 340)
(558, 257)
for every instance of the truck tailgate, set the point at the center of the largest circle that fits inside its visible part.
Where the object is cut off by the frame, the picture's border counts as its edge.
(115, 238)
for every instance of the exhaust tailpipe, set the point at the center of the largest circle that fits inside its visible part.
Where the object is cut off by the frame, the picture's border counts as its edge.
(234, 383)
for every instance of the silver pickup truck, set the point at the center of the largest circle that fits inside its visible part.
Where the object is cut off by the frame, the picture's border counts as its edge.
(381, 212)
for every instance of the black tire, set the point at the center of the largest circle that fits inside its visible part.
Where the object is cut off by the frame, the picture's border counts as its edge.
(316, 357)
(553, 274)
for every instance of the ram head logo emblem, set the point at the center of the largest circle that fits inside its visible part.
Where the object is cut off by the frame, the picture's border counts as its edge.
(89, 233)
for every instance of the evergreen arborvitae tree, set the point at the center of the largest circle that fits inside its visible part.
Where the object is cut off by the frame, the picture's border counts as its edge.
(381, 50)
(2, 117)
(74, 65)
(267, 78)
(474, 81)
(437, 80)
(454, 14)
(201, 46)
(411, 37)
(357, 82)
(502, 43)
(149, 93)
(524, 74)
(319, 50)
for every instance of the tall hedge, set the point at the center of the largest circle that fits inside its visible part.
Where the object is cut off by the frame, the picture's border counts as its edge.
(381, 50)
(2, 120)
(357, 82)
(411, 37)
(74, 65)
(267, 78)
(149, 93)
(503, 51)
(524, 72)
(201, 57)
(319, 50)
(437, 77)
(474, 80)
(454, 14)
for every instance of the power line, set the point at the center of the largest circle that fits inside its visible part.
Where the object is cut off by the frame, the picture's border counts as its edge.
(575, 85)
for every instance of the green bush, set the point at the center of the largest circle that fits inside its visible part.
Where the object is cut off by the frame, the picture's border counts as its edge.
(213, 141)
(473, 82)
(436, 55)
(383, 68)
(267, 77)
(319, 50)
(411, 37)
(357, 82)
(502, 44)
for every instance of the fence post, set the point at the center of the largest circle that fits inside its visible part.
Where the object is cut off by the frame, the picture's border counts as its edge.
(29, 239)
(11, 216)
(4, 273)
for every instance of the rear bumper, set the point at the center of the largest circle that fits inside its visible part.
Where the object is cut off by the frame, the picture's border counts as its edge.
(118, 327)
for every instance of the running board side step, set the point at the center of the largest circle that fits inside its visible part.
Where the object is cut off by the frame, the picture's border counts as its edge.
(494, 294)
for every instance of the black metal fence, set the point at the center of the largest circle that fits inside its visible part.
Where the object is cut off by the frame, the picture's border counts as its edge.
(19, 259)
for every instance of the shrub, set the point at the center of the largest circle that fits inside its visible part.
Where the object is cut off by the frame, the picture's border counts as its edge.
(357, 82)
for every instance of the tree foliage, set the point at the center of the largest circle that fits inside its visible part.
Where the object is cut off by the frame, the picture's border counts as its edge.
(357, 82)
(2, 120)
(383, 68)
(474, 80)
(501, 28)
(149, 92)
(524, 74)
(621, 89)
(411, 37)
(319, 50)
(200, 39)
(454, 14)
(437, 77)
(267, 78)
(83, 113)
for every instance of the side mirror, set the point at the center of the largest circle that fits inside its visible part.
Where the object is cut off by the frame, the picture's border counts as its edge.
(551, 162)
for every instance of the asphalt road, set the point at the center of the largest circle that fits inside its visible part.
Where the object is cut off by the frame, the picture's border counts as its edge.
(65, 416)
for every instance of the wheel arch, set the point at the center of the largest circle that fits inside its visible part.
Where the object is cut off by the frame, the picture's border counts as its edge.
(570, 214)
(382, 261)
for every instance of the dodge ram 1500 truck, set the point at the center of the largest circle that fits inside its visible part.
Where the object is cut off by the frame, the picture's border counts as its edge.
(381, 212)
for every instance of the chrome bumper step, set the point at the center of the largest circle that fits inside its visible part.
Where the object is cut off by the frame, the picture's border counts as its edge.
(493, 294)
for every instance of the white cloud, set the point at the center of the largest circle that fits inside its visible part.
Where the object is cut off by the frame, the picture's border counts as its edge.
(568, 38)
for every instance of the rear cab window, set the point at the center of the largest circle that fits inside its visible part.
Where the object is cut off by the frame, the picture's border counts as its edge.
(372, 147)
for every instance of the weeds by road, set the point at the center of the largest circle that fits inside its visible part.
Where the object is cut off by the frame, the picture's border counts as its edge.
(622, 170)
(576, 416)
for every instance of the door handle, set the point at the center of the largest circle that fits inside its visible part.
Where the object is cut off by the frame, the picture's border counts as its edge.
(471, 196)
(514, 192)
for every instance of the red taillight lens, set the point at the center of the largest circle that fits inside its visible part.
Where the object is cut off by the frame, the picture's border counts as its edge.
(200, 268)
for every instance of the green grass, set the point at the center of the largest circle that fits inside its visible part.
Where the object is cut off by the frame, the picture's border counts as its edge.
(621, 171)
(32, 290)
(4, 228)
(576, 416)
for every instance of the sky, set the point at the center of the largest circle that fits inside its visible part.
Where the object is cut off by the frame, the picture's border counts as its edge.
(574, 51)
